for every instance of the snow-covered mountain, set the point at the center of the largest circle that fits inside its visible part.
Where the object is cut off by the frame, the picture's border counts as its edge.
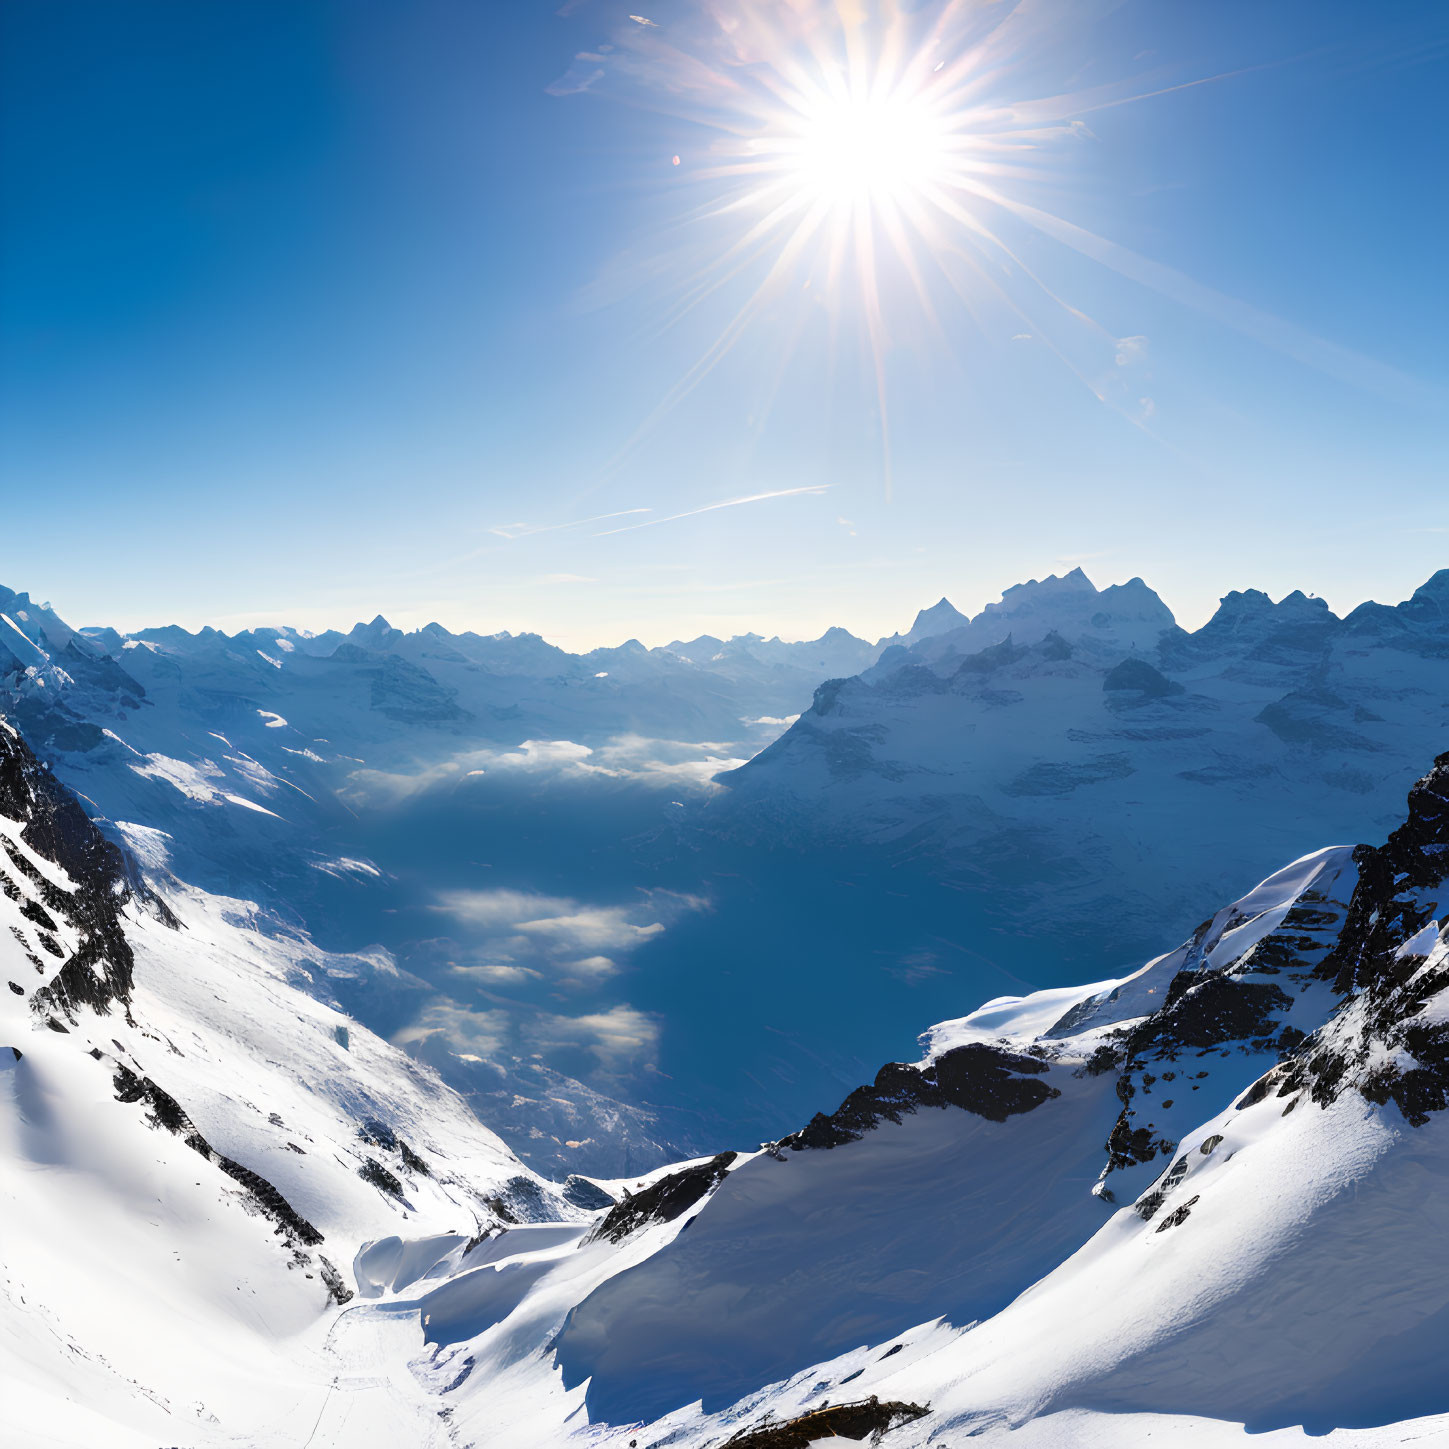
(294, 771)
(1075, 758)
(192, 1149)
(566, 921)
(274, 725)
(1160, 1208)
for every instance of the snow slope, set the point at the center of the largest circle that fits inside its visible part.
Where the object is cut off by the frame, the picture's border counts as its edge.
(192, 1148)
(1176, 1207)
(1185, 1205)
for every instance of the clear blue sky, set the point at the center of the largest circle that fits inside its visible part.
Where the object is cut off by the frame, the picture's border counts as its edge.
(312, 310)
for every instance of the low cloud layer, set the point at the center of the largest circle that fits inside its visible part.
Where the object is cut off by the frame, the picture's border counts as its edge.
(621, 1040)
(518, 949)
(676, 765)
(520, 935)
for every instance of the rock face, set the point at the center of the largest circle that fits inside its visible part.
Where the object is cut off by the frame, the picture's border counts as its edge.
(987, 1080)
(1391, 1040)
(665, 1199)
(49, 825)
(869, 1417)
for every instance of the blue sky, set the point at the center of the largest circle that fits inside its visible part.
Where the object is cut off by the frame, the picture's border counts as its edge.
(315, 310)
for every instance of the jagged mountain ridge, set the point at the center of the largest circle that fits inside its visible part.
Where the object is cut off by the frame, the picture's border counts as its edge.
(1125, 784)
(1095, 769)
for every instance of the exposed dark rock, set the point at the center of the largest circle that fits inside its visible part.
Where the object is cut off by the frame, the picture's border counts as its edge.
(1177, 1216)
(585, 1194)
(856, 1421)
(1206, 1007)
(337, 1289)
(1147, 1205)
(987, 1080)
(1127, 1145)
(1105, 1058)
(412, 1161)
(377, 1133)
(1374, 1043)
(374, 1172)
(1388, 905)
(166, 1112)
(1139, 675)
(56, 828)
(663, 1200)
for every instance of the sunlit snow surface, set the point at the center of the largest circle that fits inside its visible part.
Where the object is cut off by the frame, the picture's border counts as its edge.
(1283, 1283)
(145, 1299)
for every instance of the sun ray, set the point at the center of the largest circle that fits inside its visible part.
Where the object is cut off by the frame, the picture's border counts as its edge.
(865, 150)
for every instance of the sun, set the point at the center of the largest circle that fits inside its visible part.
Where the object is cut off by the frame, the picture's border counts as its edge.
(850, 152)
(873, 176)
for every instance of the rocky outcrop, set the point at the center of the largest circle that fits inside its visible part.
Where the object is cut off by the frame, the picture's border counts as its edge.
(987, 1080)
(1138, 677)
(870, 1418)
(51, 823)
(166, 1112)
(1388, 966)
(663, 1200)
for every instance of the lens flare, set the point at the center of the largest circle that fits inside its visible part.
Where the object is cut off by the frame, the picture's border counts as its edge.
(891, 162)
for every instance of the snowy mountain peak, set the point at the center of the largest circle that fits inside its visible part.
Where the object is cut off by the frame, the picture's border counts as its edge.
(1436, 587)
(1255, 605)
(940, 617)
(1074, 582)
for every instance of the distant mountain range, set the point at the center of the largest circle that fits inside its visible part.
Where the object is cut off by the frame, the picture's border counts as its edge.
(1093, 770)
(1041, 793)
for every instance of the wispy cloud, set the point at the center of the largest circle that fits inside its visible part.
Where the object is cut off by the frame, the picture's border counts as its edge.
(520, 936)
(558, 927)
(815, 488)
(587, 70)
(526, 530)
(1130, 350)
(464, 1031)
(621, 1039)
(665, 764)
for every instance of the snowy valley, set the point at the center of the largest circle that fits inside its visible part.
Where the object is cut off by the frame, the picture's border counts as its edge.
(630, 909)
(1156, 1208)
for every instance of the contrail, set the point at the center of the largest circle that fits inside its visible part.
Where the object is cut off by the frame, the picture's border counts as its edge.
(710, 508)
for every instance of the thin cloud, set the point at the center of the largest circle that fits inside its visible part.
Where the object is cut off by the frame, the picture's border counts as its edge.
(711, 507)
(621, 1039)
(526, 530)
(463, 1031)
(587, 70)
(1130, 350)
